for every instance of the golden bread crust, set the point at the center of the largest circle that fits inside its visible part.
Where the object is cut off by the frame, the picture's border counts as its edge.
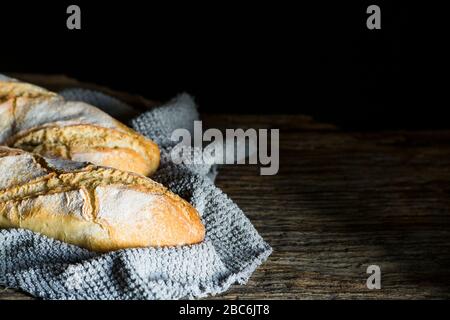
(98, 208)
(40, 121)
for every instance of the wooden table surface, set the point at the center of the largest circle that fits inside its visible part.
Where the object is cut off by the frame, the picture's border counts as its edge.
(340, 202)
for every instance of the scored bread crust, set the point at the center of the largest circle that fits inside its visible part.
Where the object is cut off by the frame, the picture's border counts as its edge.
(98, 208)
(40, 121)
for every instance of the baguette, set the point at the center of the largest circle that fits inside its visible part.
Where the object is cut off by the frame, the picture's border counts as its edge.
(98, 208)
(40, 121)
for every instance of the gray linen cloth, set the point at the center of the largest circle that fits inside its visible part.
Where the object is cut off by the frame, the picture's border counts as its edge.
(231, 252)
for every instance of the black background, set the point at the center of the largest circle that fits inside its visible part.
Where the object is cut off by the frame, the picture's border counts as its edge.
(271, 57)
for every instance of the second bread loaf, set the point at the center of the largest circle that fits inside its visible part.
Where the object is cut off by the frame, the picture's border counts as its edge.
(40, 121)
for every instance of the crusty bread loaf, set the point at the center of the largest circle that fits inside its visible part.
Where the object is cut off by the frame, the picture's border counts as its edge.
(98, 208)
(39, 121)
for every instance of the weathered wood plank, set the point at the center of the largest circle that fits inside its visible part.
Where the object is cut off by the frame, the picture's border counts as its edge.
(344, 201)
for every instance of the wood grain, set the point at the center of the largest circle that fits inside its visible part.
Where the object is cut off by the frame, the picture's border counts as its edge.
(343, 201)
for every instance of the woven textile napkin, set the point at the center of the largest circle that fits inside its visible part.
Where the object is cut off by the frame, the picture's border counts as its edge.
(232, 249)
